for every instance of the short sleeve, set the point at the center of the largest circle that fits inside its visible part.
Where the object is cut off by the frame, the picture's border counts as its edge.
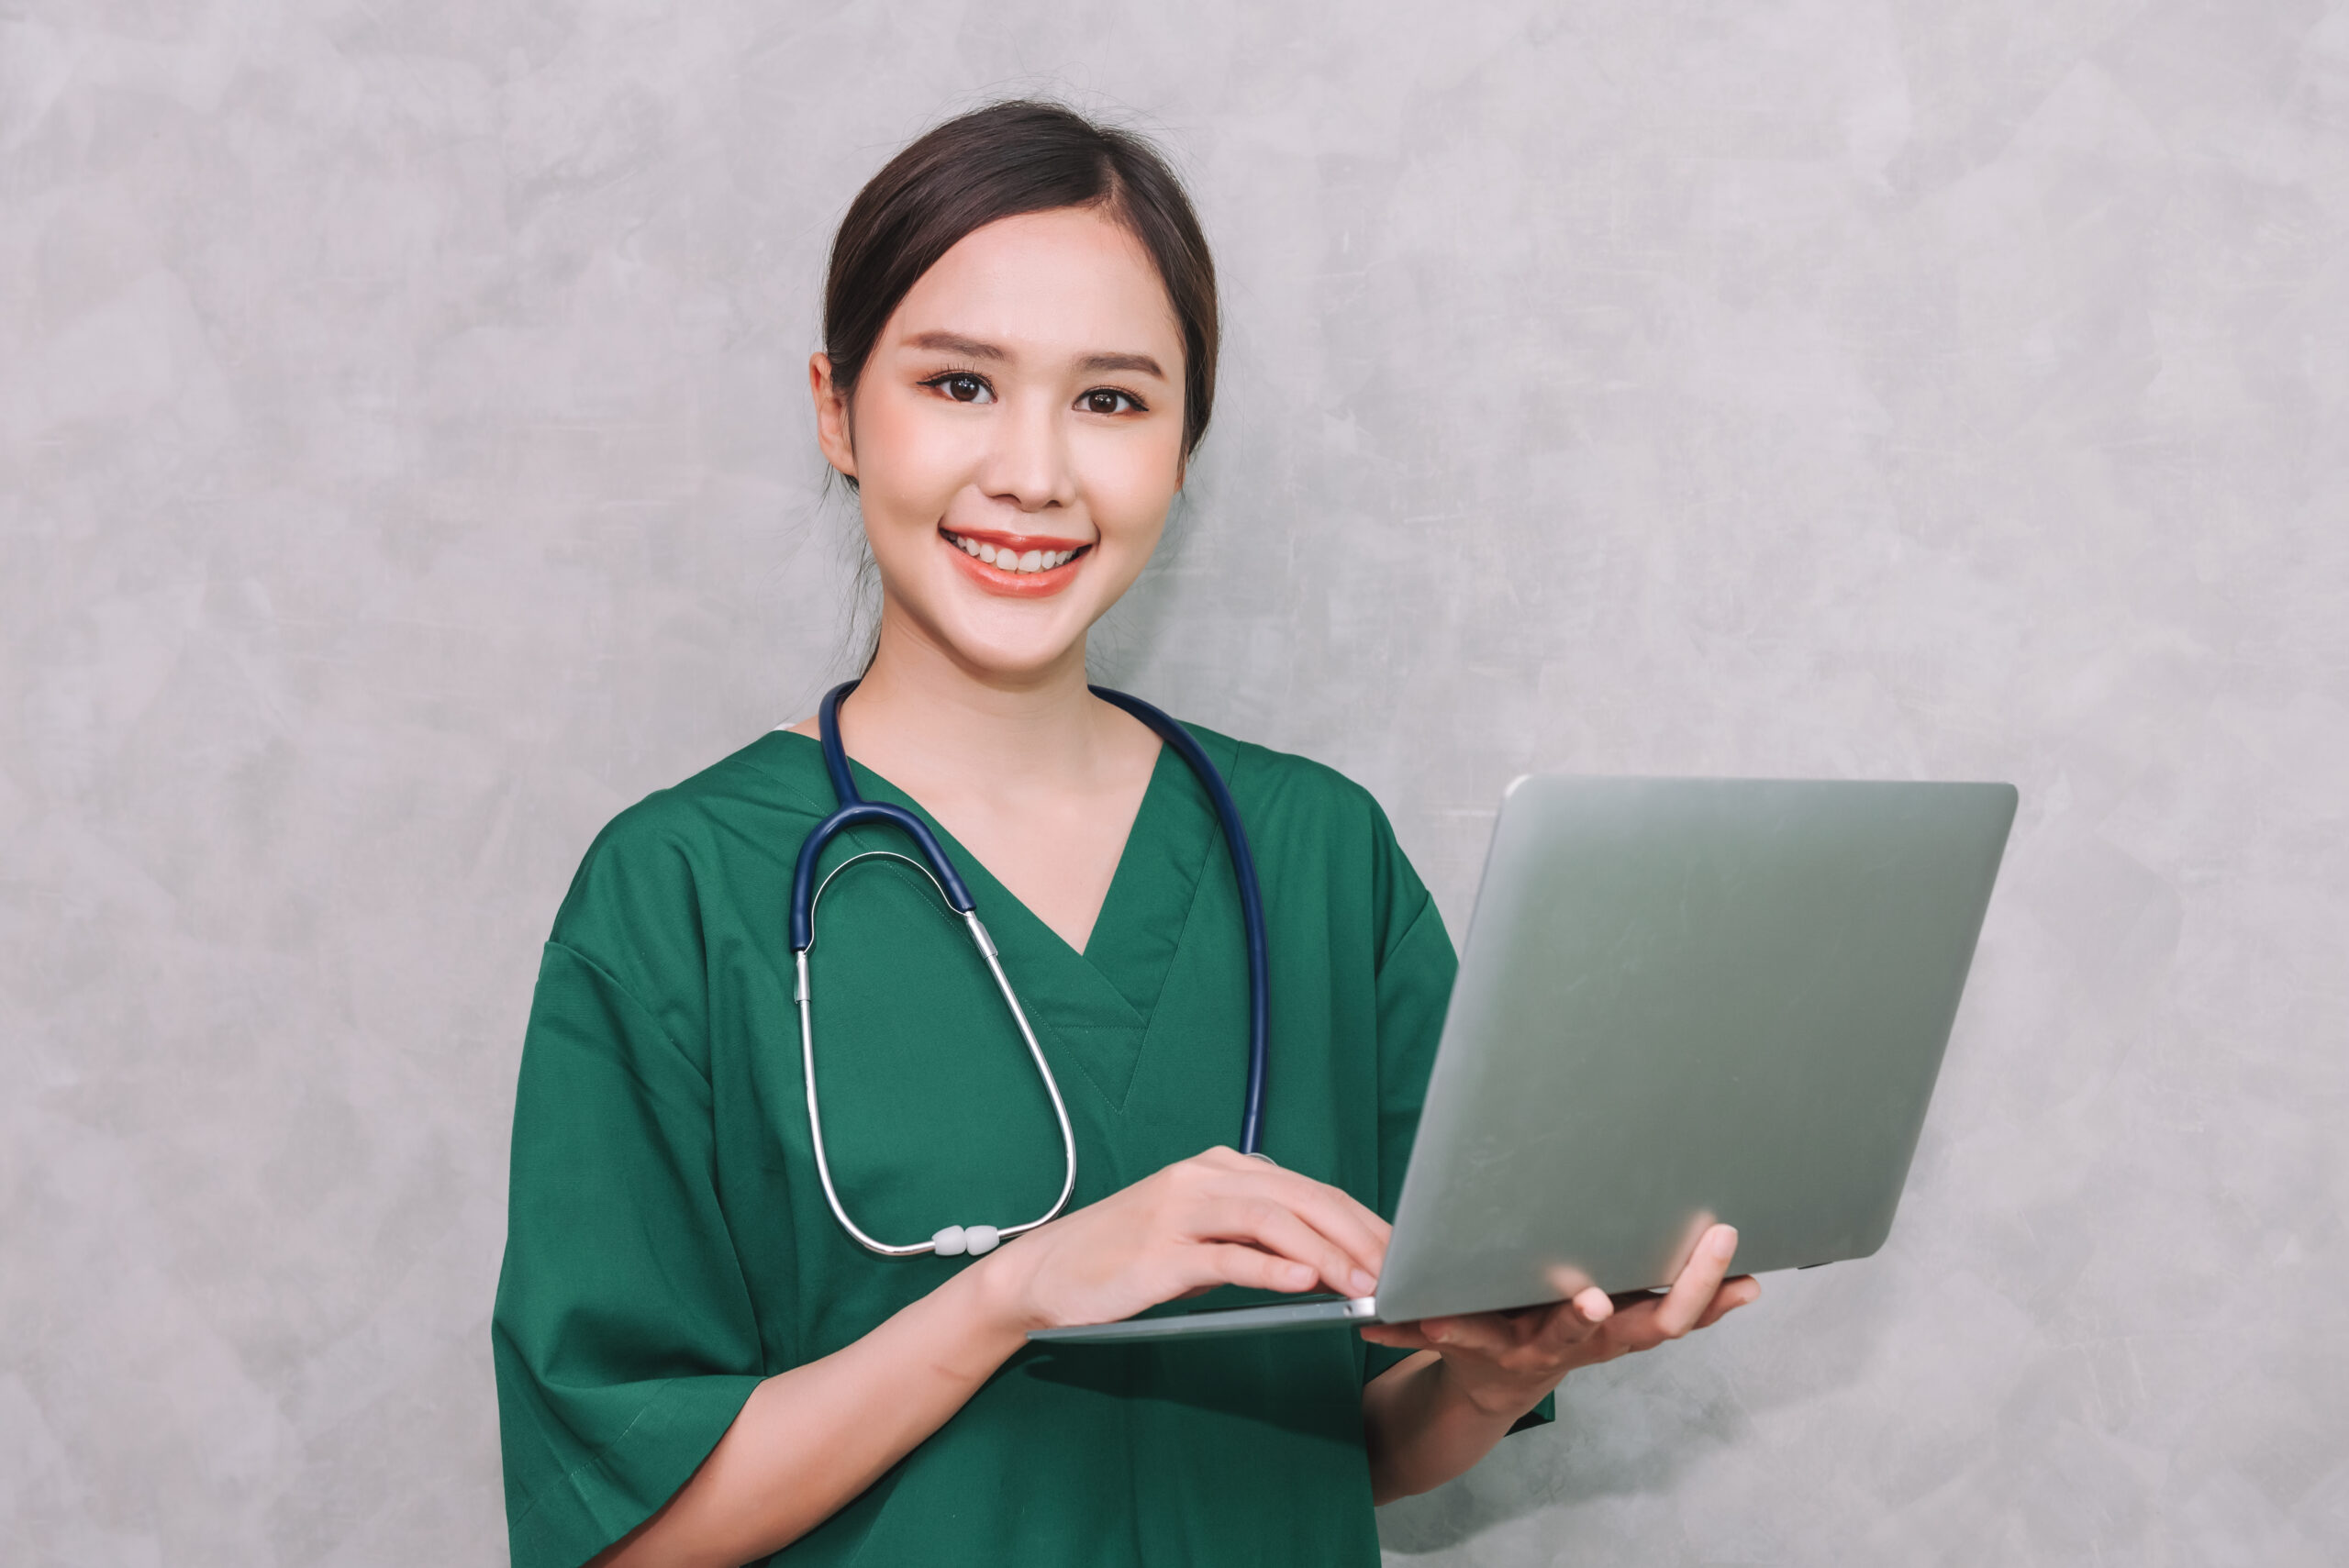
(624, 1338)
(1415, 975)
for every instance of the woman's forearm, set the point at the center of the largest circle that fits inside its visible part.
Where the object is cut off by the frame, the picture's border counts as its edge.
(1422, 1429)
(808, 1441)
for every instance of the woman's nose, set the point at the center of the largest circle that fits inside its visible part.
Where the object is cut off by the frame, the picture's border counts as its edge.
(1029, 462)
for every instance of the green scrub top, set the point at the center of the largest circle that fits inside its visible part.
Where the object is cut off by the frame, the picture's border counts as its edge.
(669, 1245)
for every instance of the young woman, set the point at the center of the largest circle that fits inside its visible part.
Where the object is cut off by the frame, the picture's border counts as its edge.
(697, 1362)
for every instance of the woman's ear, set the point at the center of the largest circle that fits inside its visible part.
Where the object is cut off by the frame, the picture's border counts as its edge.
(833, 433)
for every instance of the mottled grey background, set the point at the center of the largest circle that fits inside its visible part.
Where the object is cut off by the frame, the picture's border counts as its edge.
(405, 464)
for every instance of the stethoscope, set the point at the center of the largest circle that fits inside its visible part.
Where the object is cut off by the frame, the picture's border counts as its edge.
(956, 1241)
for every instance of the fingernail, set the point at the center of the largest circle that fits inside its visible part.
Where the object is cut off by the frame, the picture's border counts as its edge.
(1725, 1241)
(1363, 1283)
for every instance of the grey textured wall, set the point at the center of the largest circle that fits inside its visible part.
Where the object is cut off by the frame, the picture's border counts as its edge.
(405, 464)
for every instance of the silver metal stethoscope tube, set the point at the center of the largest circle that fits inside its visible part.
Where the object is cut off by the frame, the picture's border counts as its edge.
(989, 1237)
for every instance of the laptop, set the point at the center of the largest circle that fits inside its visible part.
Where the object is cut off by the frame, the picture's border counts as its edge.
(1680, 1001)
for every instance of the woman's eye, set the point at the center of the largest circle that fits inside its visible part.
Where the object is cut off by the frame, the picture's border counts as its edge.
(1101, 400)
(962, 388)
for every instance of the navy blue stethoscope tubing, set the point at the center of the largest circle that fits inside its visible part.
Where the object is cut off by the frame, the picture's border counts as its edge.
(854, 809)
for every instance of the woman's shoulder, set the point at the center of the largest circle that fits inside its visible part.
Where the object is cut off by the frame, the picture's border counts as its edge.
(1312, 828)
(1314, 821)
(1291, 785)
(756, 803)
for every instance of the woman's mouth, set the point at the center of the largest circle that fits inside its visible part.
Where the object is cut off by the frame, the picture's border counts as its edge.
(1018, 565)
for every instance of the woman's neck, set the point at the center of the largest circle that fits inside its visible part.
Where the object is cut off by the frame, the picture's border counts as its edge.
(931, 723)
(1035, 776)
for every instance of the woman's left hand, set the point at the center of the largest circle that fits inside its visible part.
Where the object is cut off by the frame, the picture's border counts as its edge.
(1505, 1361)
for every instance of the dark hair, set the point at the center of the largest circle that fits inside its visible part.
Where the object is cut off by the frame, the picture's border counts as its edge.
(1018, 156)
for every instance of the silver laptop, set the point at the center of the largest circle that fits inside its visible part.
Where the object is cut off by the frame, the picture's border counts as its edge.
(1680, 1000)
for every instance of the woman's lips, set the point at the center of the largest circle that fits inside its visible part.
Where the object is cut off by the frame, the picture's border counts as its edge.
(1024, 566)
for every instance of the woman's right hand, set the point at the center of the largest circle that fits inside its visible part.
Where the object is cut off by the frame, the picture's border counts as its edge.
(808, 1440)
(1219, 1217)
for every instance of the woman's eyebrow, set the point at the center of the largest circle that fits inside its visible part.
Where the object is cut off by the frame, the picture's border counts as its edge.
(973, 348)
(949, 343)
(1143, 364)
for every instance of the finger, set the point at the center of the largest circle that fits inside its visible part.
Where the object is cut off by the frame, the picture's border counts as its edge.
(1331, 1210)
(1699, 1279)
(1571, 1323)
(1401, 1336)
(1342, 1217)
(1474, 1333)
(1234, 1263)
(1632, 1328)
(1636, 1325)
(1263, 1221)
(1733, 1294)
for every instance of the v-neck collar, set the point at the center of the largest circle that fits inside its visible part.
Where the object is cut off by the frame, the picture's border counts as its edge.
(1101, 1000)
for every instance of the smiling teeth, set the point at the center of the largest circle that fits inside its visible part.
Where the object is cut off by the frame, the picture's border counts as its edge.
(1009, 561)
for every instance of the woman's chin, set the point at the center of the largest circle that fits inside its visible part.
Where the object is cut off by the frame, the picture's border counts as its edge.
(1021, 657)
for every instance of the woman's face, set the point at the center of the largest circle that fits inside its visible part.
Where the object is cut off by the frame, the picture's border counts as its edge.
(1016, 437)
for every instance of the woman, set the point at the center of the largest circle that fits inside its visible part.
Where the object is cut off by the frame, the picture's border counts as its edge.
(697, 1363)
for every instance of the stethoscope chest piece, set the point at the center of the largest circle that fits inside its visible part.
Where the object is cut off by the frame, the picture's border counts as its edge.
(956, 1241)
